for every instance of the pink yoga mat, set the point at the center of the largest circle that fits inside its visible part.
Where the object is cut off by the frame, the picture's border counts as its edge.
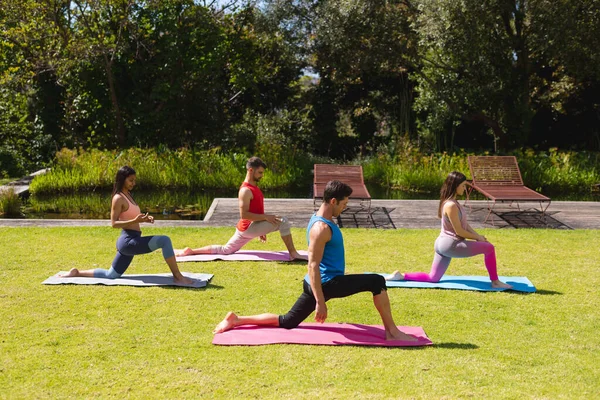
(323, 334)
(242, 255)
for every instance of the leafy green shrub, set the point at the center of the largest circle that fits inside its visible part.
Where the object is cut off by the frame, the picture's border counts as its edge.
(10, 165)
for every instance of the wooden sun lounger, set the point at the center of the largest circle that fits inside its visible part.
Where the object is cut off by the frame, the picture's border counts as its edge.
(351, 175)
(499, 179)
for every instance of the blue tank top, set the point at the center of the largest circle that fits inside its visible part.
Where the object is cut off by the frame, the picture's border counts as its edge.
(333, 262)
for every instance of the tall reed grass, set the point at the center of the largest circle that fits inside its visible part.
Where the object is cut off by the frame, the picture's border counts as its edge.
(89, 170)
(551, 172)
(10, 203)
(162, 205)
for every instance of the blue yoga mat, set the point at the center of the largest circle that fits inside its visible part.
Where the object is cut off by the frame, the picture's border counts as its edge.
(480, 283)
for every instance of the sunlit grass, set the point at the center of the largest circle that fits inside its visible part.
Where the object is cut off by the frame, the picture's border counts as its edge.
(95, 341)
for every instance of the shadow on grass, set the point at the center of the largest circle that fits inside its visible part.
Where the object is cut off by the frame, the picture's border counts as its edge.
(452, 345)
(293, 262)
(449, 345)
(540, 292)
(374, 346)
(202, 289)
(547, 292)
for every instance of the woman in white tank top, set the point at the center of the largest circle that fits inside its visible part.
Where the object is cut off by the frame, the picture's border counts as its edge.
(457, 239)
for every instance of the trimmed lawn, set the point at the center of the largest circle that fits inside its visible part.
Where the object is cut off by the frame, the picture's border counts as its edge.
(74, 341)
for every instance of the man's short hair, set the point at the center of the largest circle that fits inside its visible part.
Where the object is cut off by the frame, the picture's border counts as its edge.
(255, 162)
(336, 190)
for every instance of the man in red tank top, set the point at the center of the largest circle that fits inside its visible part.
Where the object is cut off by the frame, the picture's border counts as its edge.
(253, 223)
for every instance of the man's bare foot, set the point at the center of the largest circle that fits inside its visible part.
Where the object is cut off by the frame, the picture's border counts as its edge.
(228, 323)
(185, 252)
(297, 256)
(395, 276)
(397, 335)
(500, 285)
(72, 273)
(183, 280)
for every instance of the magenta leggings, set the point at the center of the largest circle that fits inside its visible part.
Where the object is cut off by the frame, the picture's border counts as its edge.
(447, 248)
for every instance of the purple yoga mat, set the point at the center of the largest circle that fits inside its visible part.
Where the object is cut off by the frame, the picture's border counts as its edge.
(242, 255)
(323, 334)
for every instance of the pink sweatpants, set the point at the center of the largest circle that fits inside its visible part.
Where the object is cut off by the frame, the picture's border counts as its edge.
(256, 229)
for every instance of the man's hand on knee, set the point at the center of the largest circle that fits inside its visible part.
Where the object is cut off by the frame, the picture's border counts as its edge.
(273, 219)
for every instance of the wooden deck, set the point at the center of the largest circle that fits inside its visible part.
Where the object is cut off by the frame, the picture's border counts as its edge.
(420, 214)
(386, 214)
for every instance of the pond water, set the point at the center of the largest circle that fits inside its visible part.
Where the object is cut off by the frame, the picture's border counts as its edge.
(186, 205)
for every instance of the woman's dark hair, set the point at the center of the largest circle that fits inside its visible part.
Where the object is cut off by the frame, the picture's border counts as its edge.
(122, 174)
(336, 190)
(448, 190)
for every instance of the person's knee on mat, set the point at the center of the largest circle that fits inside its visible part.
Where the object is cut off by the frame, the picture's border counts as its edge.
(223, 250)
(106, 273)
(287, 322)
(436, 275)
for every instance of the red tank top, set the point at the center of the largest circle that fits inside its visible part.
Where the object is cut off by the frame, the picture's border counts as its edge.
(257, 205)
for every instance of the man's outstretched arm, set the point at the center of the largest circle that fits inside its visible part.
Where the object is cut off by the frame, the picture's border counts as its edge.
(319, 235)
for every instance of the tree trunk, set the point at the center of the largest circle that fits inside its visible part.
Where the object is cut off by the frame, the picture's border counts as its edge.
(115, 102)
(491, 123)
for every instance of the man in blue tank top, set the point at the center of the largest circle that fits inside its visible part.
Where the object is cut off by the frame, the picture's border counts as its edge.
(326, 279)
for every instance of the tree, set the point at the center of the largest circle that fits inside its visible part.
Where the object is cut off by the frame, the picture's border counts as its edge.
(30, 97)
(98, 32)
(495, 62)
(359, 50)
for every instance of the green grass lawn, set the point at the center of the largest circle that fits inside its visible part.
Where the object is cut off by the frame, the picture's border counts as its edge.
(73, 341)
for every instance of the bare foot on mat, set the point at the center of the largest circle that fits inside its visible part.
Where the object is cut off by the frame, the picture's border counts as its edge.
(500, 285)
(184, 280)
(185, 252)
(397, 335)
(72, 273)
(395, 276)
(297, 256)
(228, 323)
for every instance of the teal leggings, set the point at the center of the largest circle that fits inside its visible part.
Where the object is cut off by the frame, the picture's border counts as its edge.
(131, 243)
